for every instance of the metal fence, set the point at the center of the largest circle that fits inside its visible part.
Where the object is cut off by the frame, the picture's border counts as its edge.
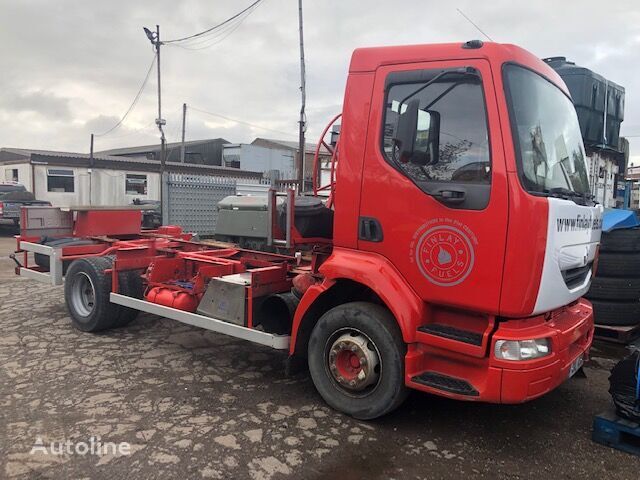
(191, 201)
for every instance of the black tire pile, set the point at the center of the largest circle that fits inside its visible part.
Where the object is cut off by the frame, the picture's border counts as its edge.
(615, 290)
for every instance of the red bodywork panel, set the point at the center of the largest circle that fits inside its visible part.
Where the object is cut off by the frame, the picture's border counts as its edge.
(498, 381)
(107, 222)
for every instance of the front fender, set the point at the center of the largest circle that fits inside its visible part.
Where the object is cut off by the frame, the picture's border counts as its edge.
(377, 273)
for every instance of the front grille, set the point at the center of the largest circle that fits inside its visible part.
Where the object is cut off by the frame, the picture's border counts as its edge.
(575, 277)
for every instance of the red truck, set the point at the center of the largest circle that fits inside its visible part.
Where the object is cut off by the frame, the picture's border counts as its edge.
(450, 258)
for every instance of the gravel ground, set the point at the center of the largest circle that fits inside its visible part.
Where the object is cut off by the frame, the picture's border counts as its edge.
(194, 404)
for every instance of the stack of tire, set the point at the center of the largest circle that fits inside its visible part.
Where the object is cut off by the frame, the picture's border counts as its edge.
(615, 290)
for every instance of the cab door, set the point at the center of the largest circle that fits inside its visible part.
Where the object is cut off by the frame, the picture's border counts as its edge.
(441, 219)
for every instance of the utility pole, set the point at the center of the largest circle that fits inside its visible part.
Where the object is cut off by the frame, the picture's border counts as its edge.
(184, 121)
(303, 121)
(91, 162)
(160, 121)
(154, 38)
(91, 153)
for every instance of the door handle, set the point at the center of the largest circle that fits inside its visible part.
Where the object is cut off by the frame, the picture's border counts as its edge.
(453, 196)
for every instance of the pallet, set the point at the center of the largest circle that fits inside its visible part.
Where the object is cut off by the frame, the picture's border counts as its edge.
(611, 333)
(615, 432)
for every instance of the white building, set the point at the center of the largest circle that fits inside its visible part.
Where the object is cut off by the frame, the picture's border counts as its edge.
(73, 179)
(257, 158)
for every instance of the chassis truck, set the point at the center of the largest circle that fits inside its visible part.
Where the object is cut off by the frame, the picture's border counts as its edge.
(450, 257)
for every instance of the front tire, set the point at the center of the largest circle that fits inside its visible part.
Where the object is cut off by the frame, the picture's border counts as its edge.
(86, 291)
(356, 360)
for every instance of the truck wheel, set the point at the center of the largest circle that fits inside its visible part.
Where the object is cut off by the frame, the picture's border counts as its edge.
(86, 292)
(356, 360)
(130, 284)
(43, 260)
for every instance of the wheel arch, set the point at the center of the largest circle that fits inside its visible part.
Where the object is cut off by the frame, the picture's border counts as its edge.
(356, 276)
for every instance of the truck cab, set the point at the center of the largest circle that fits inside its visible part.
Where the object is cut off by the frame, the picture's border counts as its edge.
(462, 202)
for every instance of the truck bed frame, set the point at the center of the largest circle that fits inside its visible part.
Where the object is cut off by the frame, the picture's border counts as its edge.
(171, 251)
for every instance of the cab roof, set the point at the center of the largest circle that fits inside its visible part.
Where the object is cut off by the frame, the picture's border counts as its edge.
(370, 58)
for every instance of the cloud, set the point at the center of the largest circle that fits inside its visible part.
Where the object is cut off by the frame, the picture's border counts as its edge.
(45, 104)
(81, 63)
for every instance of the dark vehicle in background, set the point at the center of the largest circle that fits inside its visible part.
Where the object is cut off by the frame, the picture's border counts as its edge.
(13, 196)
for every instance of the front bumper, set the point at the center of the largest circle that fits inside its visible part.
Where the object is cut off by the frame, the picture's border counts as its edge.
(570, 330)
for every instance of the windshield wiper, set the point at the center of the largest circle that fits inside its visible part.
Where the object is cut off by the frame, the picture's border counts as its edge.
(565, 193)
(459, 71)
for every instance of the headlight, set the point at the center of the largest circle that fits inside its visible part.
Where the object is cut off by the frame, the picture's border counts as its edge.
(522, 349)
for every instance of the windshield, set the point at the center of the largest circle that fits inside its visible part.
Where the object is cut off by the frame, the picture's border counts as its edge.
(547, 135)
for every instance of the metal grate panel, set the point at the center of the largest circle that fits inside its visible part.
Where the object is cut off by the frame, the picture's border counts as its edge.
(191, 201)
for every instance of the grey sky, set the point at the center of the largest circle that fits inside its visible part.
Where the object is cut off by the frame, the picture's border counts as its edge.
(70, 68)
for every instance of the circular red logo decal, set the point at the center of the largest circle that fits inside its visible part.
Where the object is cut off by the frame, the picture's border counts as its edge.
(445, 255)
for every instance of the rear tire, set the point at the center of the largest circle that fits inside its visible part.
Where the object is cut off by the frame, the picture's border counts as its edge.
(86, 291)
(130, 284)
(43, 260)
(356, 360)
(616, 313)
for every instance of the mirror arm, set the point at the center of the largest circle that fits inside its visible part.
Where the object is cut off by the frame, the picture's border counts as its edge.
(446, 92)
(462, 71)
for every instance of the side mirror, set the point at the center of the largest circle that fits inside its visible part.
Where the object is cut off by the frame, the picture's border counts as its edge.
(427, 146)
(406, 130)
(417, 138)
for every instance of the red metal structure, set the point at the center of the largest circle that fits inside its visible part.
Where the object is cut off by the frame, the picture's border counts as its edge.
(461, 242)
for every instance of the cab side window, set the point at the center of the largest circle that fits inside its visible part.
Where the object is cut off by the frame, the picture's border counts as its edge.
(458, 101)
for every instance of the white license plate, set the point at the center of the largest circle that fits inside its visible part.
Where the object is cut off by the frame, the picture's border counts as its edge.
(576, 365)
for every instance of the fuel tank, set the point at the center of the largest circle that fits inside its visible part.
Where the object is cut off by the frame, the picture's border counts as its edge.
(173, 298)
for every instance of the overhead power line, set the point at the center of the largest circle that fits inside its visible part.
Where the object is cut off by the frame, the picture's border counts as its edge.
(133, 103)
(215, 36)
(208, 30)
(212, 39)
(134, 131)
(241, 122)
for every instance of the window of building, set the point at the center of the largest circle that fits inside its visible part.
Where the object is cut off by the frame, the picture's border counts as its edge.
(463, 140)
(60, 180)
(135, 184)
(11, 175)
(232, 160)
